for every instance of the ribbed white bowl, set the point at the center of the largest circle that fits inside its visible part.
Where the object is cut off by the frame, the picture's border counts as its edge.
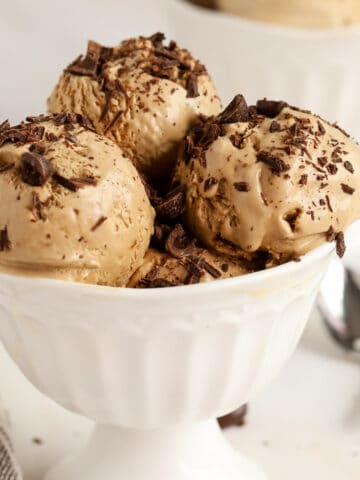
(151, 358)
(314, 69)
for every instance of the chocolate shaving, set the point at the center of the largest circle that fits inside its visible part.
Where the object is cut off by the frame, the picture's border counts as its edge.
(242, 186)
(113, 121)
(237, 140)
(209, 182)
(5, 243)
(328, 203)
(157, 283)
(192, 87)
(274, 127)
(347, 189)
(172, 206)
(236, 111)
(321, 128)
(71, 138)
(322, 161)
(270, 108)
(214, 272)
(5, 125)
(349, 167)
(35, 169)
(6, 166)
(35, 206)
(276, 164)
(98, 223)
(74, 184)
(303, 179)
(157, 39)
(37, 148)
(178, 244)
(87, 66)
(340, 244)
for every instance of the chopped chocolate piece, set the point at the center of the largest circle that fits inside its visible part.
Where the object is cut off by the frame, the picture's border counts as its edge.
(87, 65)
(322, 202)
(6, 166)
(340, 244)
(71, 138)
(195, 272)
(214, 272)
(236, 111)
(242, 186)
(37, 148)
(192, 86)
(35, 169)
(332, 168)
(161, 232)
(51, 137)
(321, 128)
(225, 267)
(237, 140)
(74, 184)
(5, 243)
(276, 164)
(157, 283)
(347, 189)
(172, 206)
(157, 39)
(303, 179)
(98, 223)
(209, 182)
(275, 127)
(270, 108)
(322, 161)
(349, 167)
(234, 419)
(178, 244)
(4, 126)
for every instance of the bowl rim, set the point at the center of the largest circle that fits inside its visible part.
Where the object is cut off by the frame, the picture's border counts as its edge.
(216, 286)
(306, 34)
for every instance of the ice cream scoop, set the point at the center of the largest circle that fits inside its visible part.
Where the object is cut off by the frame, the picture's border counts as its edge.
(270, 178)
(299, 13)
(142, 94)
(161, 269)
(72, 204)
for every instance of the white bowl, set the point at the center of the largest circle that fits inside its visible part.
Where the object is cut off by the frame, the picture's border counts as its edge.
(152, 367)
(314, 69)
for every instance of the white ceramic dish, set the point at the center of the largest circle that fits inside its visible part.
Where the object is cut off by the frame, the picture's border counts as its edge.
(314, 69)
(153, 367)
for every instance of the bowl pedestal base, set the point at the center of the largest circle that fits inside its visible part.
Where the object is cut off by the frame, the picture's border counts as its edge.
(187, 452)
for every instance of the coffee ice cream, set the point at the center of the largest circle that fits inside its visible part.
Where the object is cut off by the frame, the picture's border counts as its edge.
(73, 206)
(144, 95)
(270, 178)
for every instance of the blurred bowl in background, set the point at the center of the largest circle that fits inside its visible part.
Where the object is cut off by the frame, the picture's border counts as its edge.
(315, 69)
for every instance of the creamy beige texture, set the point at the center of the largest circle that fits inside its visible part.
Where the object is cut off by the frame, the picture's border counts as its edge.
(236, 202)
(163, 267)
(97, 234)
(299, 13)
(140, 101)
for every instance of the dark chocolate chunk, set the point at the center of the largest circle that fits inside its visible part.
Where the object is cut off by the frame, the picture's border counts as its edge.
(178, 244)
(234, 419)
(74, 184)
(37, 148)
(347, 189)
(349, 167)
(161, 232)
(322, 161)
(340, 244)
(35, 169)
(5, 243)
(237, 140)
(292, 217)
(332, 168)
(270, 108)
(242, 186)
(276, 164)
(192, 86)
(213, 271)
(236, 111)
(157, 39)
(172, 206)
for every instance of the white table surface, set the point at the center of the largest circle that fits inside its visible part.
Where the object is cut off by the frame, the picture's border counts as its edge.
(305, 425)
